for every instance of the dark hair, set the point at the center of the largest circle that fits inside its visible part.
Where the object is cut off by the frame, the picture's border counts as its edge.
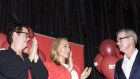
(14, 27)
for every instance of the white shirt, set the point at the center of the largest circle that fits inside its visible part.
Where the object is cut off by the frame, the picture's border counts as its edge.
(128, 63)
(74, 74)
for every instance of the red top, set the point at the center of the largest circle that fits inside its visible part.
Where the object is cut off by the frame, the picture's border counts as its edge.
(60, 72)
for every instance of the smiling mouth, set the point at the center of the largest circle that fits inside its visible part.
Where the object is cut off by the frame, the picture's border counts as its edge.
(67, 53)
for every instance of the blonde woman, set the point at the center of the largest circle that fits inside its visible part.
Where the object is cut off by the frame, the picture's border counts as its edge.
(61, 65)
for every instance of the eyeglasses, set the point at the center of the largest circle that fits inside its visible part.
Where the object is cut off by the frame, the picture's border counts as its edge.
(27, 34)
(120, 39)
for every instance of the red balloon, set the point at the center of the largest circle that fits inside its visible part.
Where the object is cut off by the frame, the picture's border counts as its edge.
(119, 54)
(31, 33)
(3, 38)
(5, 45)
(108, 66)
(27, 49)
(41, 55)
(107, 48)
(97, 62)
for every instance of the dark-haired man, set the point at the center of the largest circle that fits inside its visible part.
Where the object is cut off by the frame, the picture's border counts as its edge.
(14, 64)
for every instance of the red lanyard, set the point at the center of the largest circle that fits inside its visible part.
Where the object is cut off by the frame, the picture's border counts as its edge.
(29, 74)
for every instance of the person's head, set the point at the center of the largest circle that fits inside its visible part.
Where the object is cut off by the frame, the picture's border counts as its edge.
(126, 38)
(18, 35)
(60, 49)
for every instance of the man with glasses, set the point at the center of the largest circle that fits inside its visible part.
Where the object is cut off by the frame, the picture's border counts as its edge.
(129, 66)
(14, 64)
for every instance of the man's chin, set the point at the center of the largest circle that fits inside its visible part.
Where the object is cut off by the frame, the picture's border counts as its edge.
(121, 50)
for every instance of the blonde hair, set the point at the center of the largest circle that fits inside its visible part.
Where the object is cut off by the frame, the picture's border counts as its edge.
(54, 51)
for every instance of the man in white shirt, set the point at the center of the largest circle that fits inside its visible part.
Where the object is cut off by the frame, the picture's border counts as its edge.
(129, 66)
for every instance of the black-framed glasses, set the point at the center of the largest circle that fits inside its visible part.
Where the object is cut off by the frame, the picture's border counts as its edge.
(122, 38)
(27, 34)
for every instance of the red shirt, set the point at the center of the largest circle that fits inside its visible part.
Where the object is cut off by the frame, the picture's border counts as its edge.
(60, 72)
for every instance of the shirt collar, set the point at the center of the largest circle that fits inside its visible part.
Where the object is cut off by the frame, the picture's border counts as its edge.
(133, 55)
(14, 53)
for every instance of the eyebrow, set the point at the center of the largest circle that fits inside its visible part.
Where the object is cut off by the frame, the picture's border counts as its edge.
(65, 44)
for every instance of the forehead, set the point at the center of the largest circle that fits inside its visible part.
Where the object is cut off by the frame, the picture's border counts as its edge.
(64, 42)
(120, 34)
(24, 29)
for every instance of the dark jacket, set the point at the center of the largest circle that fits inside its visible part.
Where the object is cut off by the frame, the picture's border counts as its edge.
(135, 71)
(13, 67)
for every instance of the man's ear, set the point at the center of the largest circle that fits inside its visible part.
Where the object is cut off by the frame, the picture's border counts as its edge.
(14, 34)
(131, 39)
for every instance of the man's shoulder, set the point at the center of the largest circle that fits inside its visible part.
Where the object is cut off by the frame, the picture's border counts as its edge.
(4, 55)
(4, 52)
(138, 54)
(138, 50)
(119, 61)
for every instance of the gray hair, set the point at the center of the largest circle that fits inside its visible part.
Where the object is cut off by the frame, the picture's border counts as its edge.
(129, 32)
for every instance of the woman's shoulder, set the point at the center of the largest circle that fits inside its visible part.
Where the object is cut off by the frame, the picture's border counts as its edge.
(49, 63)
(51, 66)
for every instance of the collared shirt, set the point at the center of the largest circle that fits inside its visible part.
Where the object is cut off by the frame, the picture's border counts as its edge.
(74, 74)
(128, 63)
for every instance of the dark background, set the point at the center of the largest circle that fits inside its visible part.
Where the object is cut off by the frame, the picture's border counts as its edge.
(86, 22)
